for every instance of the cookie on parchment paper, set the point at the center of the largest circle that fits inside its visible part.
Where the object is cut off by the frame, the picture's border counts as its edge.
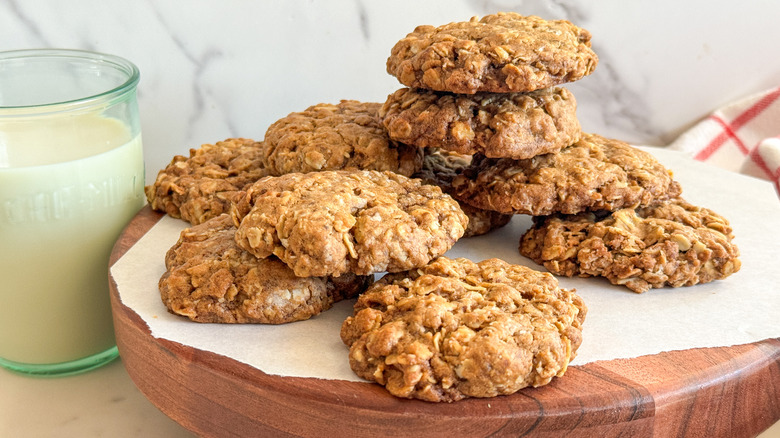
(347, 135)
(672, 243)
(210, 279)
(497, 125)
(334, 222)
(596, 173)
(455, 329)
(500, 53)
(439, 169)
(204, 185)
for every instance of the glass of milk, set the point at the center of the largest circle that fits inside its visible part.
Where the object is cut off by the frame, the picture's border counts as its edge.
(71, 178)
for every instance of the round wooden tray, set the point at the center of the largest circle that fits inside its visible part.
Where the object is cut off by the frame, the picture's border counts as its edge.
(712, 392)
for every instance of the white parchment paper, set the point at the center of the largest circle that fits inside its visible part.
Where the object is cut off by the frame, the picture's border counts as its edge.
(741, 309)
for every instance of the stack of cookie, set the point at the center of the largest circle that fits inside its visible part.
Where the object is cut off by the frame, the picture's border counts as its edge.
(487, 89)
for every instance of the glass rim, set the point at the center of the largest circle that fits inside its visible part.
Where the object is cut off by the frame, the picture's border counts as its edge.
(117, 62)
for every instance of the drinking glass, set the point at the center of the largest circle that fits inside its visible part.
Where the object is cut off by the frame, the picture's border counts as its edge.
(71, 178)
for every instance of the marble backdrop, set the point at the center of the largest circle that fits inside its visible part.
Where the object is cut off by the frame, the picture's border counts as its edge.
(217, 69)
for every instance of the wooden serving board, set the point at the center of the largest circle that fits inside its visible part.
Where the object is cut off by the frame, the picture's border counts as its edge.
(708, 392)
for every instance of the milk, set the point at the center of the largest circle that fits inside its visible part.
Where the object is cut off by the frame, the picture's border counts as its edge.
(65, 196)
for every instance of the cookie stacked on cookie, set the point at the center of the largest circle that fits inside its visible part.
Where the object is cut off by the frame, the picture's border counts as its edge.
(295, 244)
(489, 86)
(209, 278)
(486, 88)
(348, 221)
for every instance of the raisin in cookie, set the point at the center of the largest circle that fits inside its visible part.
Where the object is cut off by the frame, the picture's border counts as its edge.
(508, 125)
(671, 243)
(210, 279)
(348, 135)
(333, 222)
(455, 329)
(439, 168)
(500, 53)
(204, 185)
(595, 173)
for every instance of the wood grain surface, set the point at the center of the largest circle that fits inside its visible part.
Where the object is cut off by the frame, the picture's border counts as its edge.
(708, 392)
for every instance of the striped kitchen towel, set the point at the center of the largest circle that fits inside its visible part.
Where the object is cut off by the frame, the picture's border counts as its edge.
(743, 136)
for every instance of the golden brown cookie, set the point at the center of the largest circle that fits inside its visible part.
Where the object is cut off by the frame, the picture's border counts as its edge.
(348, 135)
(333, 222)
(672, 243)
(457, 329)
(497, 125)
(439, 169)
(203, 185)
(210, 279)
(501, 53)
(595, 173)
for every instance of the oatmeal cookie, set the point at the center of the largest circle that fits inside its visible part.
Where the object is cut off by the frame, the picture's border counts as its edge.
(595, 173)
(455, 329)
(333, 222)
(439, 168)
(500, 53)
(348, 135)
(497, 125)
(671, 243)
(203, 185)
(210, 279)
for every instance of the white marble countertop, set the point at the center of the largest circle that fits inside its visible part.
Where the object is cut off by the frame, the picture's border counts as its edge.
(213, 70)
(100, 403)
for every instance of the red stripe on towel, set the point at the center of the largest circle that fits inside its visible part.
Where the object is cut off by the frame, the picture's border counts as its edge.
(730, 129)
